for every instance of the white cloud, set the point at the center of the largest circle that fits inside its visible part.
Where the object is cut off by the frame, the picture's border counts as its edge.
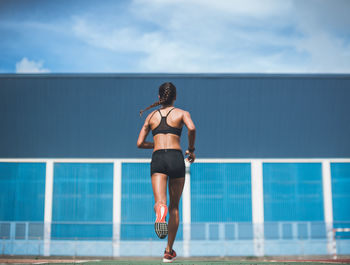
(327, 53)
(325, 26)
(123, 39)
(205, 36)
(255, 35)
(251, 8)
(194, 36)
(27, 66)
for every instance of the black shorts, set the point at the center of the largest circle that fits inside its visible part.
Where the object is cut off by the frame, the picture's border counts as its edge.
(168, 161)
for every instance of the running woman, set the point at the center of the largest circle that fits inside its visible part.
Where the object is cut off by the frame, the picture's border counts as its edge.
(167, 161)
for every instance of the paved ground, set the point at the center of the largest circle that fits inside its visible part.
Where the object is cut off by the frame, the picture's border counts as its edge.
(193, 261)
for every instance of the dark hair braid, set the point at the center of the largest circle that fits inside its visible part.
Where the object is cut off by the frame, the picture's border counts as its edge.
(155, 104)
(167, 93)
(165, 98)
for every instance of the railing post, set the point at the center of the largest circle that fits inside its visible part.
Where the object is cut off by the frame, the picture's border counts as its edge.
(26, 230)
(257, 206)
(328, 206)
(186, 212)
(117, 201)
(12, 237)
(280, 230)
(48, 206)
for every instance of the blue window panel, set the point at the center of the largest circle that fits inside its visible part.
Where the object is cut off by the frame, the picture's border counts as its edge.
(303, 231)
(213, 232)
(138, 232)
(22, 191)
(198, 231)
(318, 230)
(82, 231)
(82, 192)
(341, 192)
(230, 231)
(245, 231)
(287, 231)
(271, 230)
(293, 192)
(137, 203)
(5, 230)
(221, 192)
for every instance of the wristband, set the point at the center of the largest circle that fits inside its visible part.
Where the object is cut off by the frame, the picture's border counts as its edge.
(191, 150)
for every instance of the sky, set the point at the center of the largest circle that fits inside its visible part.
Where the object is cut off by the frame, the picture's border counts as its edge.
(175, 36)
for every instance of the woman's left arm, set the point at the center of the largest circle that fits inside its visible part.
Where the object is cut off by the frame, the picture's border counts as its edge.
(141, 143)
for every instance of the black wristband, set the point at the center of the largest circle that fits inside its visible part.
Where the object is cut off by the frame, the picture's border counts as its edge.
(191, 149)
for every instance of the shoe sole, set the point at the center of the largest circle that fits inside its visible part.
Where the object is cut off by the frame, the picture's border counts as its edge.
(168, 260)
(161, 229)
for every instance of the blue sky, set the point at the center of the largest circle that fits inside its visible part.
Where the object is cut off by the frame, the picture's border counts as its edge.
(175, 36)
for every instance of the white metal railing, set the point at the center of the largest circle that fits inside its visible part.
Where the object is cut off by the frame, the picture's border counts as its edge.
(198, 160)
(29, 230)
(214, 234)
(257, 195)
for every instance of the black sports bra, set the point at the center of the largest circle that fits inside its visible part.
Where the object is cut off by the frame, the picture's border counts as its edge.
(164, 127)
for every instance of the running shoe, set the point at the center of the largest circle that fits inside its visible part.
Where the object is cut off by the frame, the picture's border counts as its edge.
(160, 225)
(169, 256)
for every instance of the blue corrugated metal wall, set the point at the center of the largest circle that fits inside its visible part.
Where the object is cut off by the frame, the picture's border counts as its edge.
(22, 191)
(236, 115)
(224, 188)
(82, 193)
(221, 192)
(293, 192)
(221, 208)
(341, 192)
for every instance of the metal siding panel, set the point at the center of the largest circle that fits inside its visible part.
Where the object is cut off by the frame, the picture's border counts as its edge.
(22, 191)
(221, 192)
(236, 116)
(82, 192)
(137, 194)
(341, 192)
(293, 192)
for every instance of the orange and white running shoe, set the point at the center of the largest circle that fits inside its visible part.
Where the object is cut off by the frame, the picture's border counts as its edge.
(169, 256)
(160, 225)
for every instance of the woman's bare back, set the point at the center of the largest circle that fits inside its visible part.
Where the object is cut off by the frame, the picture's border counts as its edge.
(174, 119)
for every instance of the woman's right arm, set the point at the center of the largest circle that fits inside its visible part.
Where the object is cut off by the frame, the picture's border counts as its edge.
(141, 141)
(191, 136)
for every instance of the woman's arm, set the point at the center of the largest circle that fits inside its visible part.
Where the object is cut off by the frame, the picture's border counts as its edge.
(141, 143)
(191, 136)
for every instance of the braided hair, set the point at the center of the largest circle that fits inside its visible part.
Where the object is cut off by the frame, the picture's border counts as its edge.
(167, 93)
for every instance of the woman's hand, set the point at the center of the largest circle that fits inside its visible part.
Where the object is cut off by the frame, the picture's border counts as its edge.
(145, 145)
(191, 156)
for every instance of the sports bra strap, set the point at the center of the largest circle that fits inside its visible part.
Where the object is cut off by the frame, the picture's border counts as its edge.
(165, 115)
(169, 112)
(149, 125)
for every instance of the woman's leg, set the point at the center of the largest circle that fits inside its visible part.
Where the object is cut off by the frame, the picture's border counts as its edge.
(159, 182)
(176, 186)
